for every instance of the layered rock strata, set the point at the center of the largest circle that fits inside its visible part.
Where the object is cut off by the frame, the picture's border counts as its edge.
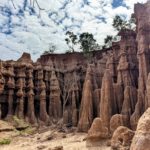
(141, 139)
(115, 83)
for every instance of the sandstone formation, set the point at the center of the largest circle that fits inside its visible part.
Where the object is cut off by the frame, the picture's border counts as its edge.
(122, 138)
(97, 133)
(55, 101)
(143, 38)
(141, 139)
(116, 121)
(106, 104)
(30, 95)
(114, 85)
(86, 114)
(2, 81)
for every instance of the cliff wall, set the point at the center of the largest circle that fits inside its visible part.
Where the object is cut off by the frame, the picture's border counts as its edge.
(76, 89)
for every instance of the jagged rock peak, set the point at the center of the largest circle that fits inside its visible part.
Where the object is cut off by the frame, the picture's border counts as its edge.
(26, 57)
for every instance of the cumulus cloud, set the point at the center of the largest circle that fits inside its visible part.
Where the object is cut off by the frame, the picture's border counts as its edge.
(25, 28)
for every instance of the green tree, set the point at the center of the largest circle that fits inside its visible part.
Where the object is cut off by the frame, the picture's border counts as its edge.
(51, 49)
(108, 41)
(119, 23)
(132, 23)
(87, 42)
(71, 40)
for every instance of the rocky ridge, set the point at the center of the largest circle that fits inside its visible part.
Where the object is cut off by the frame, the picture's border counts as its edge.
(113, 85)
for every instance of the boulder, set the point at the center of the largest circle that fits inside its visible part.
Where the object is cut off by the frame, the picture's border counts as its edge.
(141, 139)
(97, 133)
(121, 138)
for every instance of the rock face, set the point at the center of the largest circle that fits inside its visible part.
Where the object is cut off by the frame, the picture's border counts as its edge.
(55, 110)
(116, 121)
(96, 133)
(1, 79)
(114, 85)
(122, 138)
(143, 39)
(86, 117)
(106, 103)
(30, 95)
(141, 139)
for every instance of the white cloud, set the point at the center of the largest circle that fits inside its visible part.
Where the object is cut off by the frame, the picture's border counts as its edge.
(24, 29)
(130, 3)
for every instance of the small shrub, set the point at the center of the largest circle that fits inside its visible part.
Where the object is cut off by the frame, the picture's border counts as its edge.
(5, 141)
(68, 51)
(29, 131)
(20, 124)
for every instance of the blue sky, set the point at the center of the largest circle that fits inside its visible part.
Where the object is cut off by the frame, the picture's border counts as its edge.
(25, 29)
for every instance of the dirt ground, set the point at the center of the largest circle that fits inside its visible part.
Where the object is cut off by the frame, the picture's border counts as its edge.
(48, 140)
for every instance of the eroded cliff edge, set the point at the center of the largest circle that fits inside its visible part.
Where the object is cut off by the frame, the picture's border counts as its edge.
(68, 87)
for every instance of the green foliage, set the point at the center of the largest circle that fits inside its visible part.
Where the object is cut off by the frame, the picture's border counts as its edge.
(22, 127)
(68, 51)
(119, 23)
(45, 52)
(17, 120)
(104, 46)
(72, 40)
(5, 141)
(87, 42)
(132, 23)
(51, 50)
(108, 40)
(28, 131)
(19, 123)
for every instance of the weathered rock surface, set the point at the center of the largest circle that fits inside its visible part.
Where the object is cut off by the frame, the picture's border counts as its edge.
(55, 110)
(70, 88)
(1, 78)
(86, 114)
(97, 133)
(5, 126)
(97, 130)
(106, 104)
(121, 138)
(130, 98)
(141, 139)
(148, 91)
(118, 120)
(143, 38)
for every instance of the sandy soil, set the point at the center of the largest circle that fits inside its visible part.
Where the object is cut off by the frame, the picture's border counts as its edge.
(47, 140)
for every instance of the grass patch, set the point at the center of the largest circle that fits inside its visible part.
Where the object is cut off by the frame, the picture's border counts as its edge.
(19, 124)
(28, 131)
(5, 141)
(23, 127)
